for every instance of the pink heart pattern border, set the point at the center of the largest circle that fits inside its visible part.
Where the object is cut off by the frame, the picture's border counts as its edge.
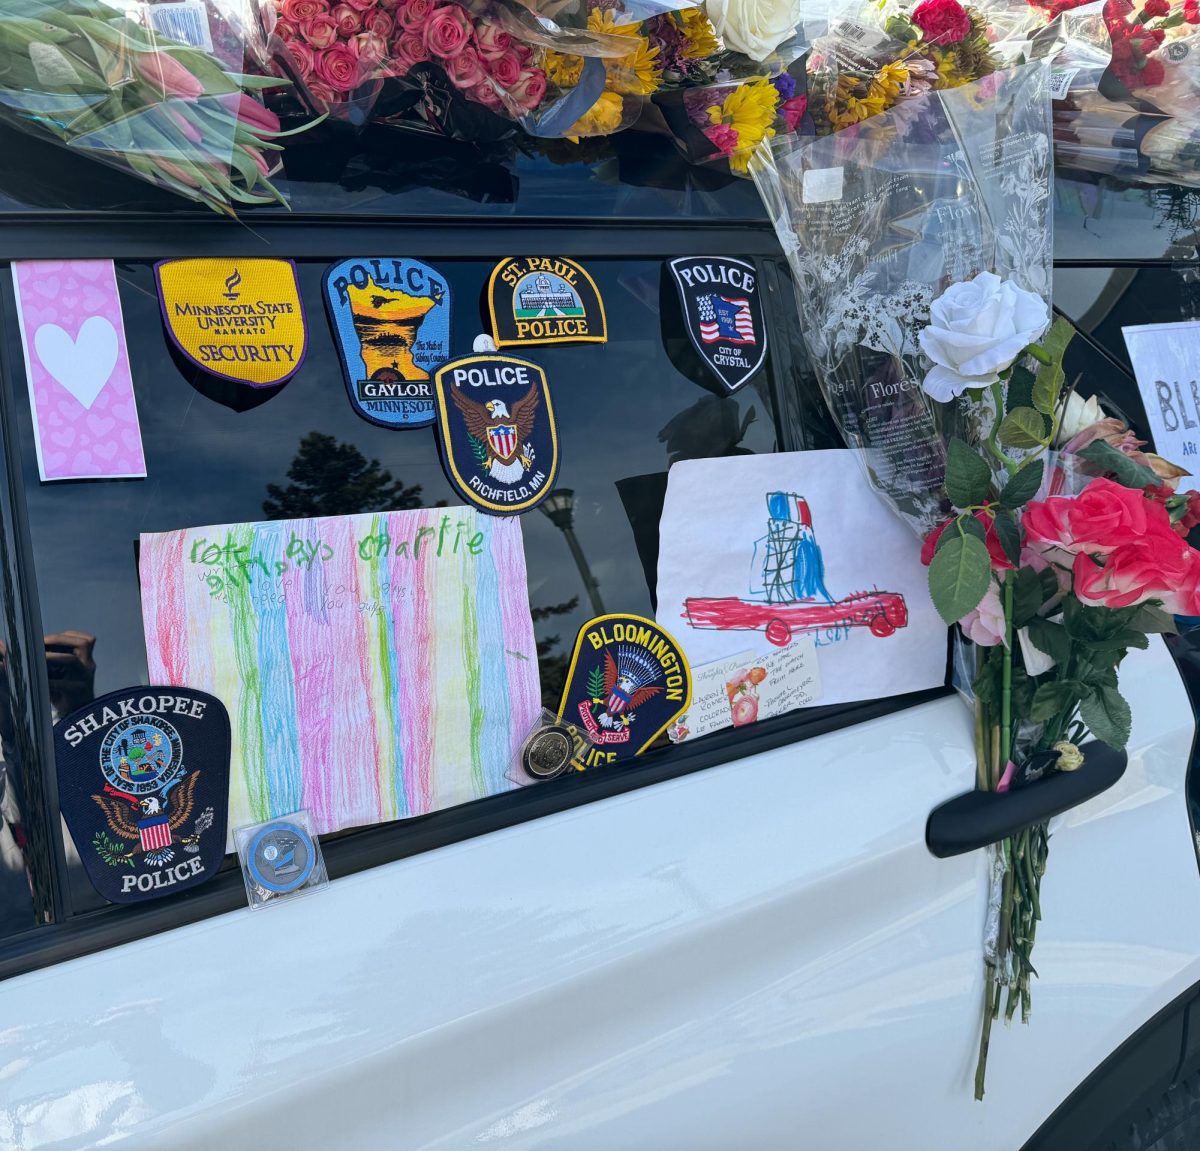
(74, 442)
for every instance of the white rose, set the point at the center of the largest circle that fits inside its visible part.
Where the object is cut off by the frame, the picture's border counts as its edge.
(1077, 415)
(754, 27)
(977, 328)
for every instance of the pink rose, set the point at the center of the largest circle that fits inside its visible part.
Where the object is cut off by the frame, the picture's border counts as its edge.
(167, 75)
(485, 93)
(447, 32)
(529, 88)
(322, 92)
(297, 11)
(985, 625)
(370, 49)
(321, 32)
(339, 67)
(1103, 517)
(413, 13)
(745, 710)
(347, 20)
(505, 69)
(362, 5)
(465, 69)
(301, 56)
(378, 22)
(409, 49)
(490, 40)
(524, 53)
(285, 30)
(1159, 567)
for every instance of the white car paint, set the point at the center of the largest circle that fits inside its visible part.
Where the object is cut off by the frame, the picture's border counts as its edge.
(761, 955)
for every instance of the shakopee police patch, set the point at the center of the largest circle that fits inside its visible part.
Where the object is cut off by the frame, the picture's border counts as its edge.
(391, 323)
(544, 300)
(496, 432)
(628, 681)
(723, 314)
(239, 320)
(143, 783)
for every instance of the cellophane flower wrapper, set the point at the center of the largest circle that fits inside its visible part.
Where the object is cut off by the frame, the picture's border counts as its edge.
(877, 221)
(111, 87)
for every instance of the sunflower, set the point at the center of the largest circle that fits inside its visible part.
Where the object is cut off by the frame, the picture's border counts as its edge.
(562, 69)
(637, 74)
(601, 119)
(750, 111)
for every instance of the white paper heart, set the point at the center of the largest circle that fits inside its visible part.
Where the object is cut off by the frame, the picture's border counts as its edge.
(82, 365)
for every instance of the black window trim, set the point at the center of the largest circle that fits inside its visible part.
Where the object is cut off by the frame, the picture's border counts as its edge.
(70, 936)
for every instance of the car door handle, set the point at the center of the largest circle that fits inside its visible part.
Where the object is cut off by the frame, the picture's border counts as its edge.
(980, 818)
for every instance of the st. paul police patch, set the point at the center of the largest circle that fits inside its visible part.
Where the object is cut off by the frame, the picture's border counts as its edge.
(544, 300)
(723, 314)
(628, 681)
(496, 431)
(391, 323)
(143, 783)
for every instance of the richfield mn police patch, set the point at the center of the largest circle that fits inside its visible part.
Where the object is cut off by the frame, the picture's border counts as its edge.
(723, 314)
(391, 323)
(544, 300)
(143, 783)
(496, 431)
(628, 681)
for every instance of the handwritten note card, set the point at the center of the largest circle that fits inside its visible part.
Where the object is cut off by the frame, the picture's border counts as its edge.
(1164, 358)
(374, 666)
(750, 686)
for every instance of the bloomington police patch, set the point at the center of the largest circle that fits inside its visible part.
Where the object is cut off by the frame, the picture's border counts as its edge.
(544, 300)
(391, 323)
(723, 314)
(496, 432)
(143, 783)
(628, 681)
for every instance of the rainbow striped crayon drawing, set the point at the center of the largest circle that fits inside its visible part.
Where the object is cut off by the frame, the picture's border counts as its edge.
(374, 666)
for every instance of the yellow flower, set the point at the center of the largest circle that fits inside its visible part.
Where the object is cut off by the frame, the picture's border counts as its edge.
(891, 78)
(601, 119)
(637, 74)
(948, 75)
(750, 111)
(701, 40)
(562, 68)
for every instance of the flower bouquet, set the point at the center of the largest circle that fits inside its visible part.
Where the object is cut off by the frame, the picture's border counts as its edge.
(79, 73)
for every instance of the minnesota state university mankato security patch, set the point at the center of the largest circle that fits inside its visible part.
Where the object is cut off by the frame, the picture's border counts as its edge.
(143, 783)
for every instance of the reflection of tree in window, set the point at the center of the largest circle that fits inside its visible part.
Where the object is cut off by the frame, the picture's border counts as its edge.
(552, 664)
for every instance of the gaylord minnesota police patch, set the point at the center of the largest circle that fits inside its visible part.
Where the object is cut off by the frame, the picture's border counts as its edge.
(143, 783)
(723, 314)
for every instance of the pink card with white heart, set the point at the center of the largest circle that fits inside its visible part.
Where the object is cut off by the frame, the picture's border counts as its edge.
(85, 421)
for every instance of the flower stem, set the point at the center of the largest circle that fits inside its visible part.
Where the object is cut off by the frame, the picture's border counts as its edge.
(1006, 682)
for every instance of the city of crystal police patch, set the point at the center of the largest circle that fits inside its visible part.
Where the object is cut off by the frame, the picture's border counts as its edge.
(723, 315)
(544, 300)
(627, 682)
(391, 323)
(143, 783)
(496, 432)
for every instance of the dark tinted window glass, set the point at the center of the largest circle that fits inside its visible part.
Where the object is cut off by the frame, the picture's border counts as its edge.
(625, 411)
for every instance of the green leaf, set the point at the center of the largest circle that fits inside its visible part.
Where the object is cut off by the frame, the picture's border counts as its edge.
(959, 576)
(1020, 389)
(1152, 619)
(969, 525)
(596, 682)
(1123, 640)
(1128, 473)
(1028, 596)
(1106, 713)
(1024, 485)
(1054, 698)
(1050, 638)
(1023, 428)
(968, 478)
(1050, 377)
(1008, 534)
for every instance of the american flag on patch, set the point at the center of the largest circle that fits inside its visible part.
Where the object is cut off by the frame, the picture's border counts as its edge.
(155, 833)
(725, 319)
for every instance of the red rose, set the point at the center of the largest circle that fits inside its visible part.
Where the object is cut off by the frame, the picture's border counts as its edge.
(1191, 515)
(505, 69)
(529, 88)
(339, 67)
(1160, 567)
(447, 32)
(1151, 75)
(490, 40)
(1000, 561)
(320, 32)
(413, 14)
(942, 21)
(297, 11)
(465, 70)
(347, 20)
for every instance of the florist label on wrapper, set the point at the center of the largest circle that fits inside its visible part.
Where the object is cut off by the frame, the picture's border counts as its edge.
(374, 666)
(797, 545)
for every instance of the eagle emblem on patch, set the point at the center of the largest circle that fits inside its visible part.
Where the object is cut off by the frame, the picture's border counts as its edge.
(497, 433)
(143, 785)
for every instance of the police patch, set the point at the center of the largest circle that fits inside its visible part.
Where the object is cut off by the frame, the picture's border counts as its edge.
(628, 681)
(391, 323)
(239, 320)
(143, 783)
(496, 432)
(723, 315)
(544, 300)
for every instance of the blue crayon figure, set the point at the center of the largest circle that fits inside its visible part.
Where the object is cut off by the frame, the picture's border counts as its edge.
(788, 566)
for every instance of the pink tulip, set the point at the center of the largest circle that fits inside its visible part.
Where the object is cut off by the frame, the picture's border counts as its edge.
(190, 131)
(260, 160)
(177, 173)
(250, 112)
(167, 75)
